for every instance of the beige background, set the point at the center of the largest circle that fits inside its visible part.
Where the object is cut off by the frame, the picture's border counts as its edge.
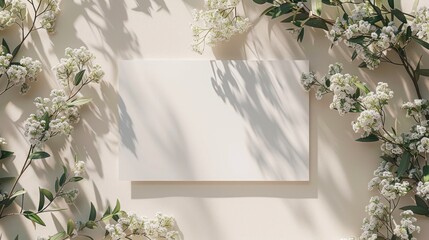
(330, 206)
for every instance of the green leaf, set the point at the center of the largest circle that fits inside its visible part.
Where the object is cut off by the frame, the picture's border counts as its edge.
(16, 50)
(5, 154)
(354, 55)
(18, 193)
(420, 201)
(316, 23)
(79, 102)
(399, 15)
(369, 138)
(78, 77)
(391, 4)
(404, 164)
(6, 48)
(117, 207)
(362, 65)
(388, 159)
(107, 212)
(41, 200)
(34, 217)
(358, 40)
(91, 224)
(59, 236)
(17, 237)
(362, 87)
(421, 42)
(426, 173)
(47, 119)
(266, 11)
(70, 227)
(62, 179)
(296, 17)
(2, 3)
(6, 179)
(260, 1)
(300, 35)
(75, 179)
(39, 155)
(417, 210)
(92, 213)
(423, 72)
(47, 194)
(328, 2)
(57, 185)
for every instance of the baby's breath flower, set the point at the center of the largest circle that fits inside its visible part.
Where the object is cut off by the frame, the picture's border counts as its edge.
(216, 23)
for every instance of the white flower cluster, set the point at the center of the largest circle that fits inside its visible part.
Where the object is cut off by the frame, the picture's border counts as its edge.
(423, 190)
(391, 149)
(54, 116)
(70, 195)
(76, 60)
(389, 186)
(79, 168)
(368, 121)
(417, 109)
(377, 212)
(343, 86)
(405, 230)
(11, 12)
(49, 15)
(420, 24)
(24, 73)
(309, 80)
(378, 99)
(4, 61)
(369, 41)
(129, 224)
(216, 23)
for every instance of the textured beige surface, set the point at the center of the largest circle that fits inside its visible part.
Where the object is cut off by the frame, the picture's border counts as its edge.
(330, 206)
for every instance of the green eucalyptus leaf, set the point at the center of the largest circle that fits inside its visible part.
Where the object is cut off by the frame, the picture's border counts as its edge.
(420, 201)
(76, 179)
(358, 40)
(5, 154)
(426, 173)
(369, 138)
(362, 87)
(57, 185)
(296, 17)
(423, 72)
(404, 164)
(399, 15)
(92, 213)
(47, 194)
(117, 207)
(70, 227)
(47, 119)
(18, 193)
(316, 23)
(362, 65)
(2, 3)
(107, 212)
(16, 50)
(5, 46)
(91, 224)
(79, 102)
(300, 35)
(39, 155)
(78, 78)
(266, 11)
(417, 210)
(354, 55)
(260, 1)
(391, 3)
(421, 42)
(34, 217)
(59, 236)
(41, 200)
(6, 179)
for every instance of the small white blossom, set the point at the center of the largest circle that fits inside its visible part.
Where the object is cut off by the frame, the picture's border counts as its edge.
(368, 121)
(79, 168)
(405, 230)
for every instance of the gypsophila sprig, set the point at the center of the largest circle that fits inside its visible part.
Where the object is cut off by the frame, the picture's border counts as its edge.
(131, 225)
(216, 23)
(11, 12)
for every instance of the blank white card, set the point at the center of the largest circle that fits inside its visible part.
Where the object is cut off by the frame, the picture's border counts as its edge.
(213, 121)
